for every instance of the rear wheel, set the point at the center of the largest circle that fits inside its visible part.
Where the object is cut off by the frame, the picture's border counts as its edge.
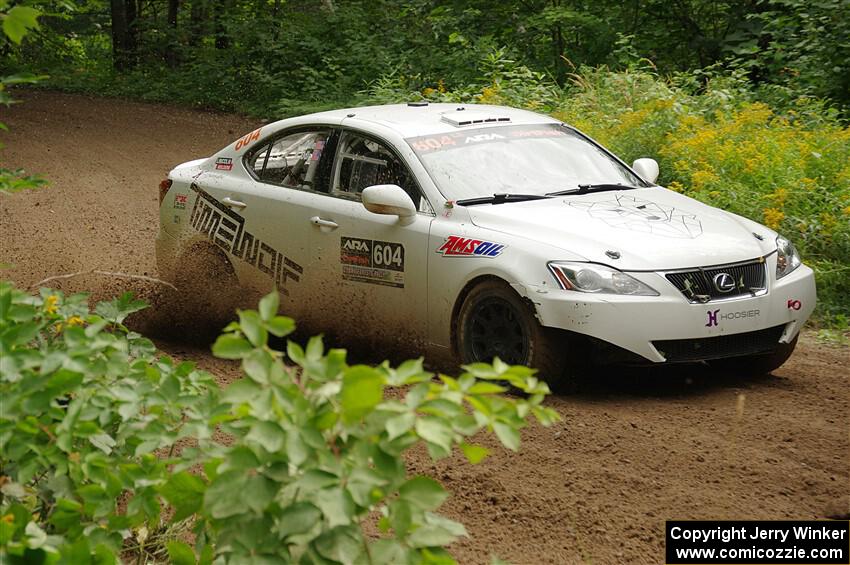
(757, 365)
(495, 322)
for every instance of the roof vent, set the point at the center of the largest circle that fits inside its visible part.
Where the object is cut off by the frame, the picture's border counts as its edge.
(418, 104)
(472, 118)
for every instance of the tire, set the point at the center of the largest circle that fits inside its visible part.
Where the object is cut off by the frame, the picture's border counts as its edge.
(756, 365)
(494, 321)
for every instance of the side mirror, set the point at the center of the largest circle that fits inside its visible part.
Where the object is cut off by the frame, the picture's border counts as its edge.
(389, 199)
(647, 168)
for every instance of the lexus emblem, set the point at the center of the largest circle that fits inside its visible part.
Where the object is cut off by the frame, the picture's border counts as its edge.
(724, 282)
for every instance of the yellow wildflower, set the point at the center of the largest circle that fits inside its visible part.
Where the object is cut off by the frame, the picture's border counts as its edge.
(756, 113)
(773, 217)
(676, 186)
(75, 321)
(428, 91)
(441, 86)
(779, 197)
(8, 518)
(846, 211)
(50, 304)
(702, 177)
(489, 94)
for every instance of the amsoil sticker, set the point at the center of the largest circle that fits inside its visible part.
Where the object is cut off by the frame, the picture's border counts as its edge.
(180, 201)
(224, 163)
(457, 246)
(373, 262)
(248, 138)
(226, 228)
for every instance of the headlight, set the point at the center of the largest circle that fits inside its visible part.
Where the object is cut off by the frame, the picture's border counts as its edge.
(590, 277)
(787, 258)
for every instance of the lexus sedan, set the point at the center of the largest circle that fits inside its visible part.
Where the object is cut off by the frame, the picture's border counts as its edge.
(467, 232)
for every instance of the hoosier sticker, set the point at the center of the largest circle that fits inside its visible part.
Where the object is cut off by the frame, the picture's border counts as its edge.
(373, 262)
(224, 163)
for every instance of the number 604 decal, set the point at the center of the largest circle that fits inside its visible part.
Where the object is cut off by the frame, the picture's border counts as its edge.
(371, 261)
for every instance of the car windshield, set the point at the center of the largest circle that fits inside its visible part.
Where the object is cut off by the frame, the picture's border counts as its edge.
(536, 159)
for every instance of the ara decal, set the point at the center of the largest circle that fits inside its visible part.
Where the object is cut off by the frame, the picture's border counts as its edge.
(457, 246)
(373, 262)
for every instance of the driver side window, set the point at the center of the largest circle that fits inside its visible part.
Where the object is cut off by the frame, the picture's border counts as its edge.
(292, 160)
(363, 162)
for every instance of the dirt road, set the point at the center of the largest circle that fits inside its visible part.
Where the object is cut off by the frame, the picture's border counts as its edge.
(630, 453)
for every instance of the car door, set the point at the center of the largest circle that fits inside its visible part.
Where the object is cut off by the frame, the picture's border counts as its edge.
(266, 218)
(373, 269)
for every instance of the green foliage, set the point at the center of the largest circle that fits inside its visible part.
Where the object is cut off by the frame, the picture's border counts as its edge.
(85, 405)
(104, 443)
(803, 45)
(17, 180)
(17, 22)
(284, 58)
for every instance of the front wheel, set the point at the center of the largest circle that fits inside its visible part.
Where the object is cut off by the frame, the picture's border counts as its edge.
(757, 365)
(495, 322)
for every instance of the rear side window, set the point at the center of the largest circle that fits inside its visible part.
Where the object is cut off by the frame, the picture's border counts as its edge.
(292, 160)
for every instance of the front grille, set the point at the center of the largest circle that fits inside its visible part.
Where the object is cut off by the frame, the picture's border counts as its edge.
(698, 285)
(734, 345)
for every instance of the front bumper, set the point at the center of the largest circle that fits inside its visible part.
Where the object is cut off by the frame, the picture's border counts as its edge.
(633, 323)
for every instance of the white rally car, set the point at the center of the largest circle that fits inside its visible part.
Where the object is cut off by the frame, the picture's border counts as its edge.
(469, 232)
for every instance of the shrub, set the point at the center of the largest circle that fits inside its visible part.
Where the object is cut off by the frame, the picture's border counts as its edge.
(104, 442)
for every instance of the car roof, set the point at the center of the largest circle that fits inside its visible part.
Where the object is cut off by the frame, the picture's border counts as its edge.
(422, 118)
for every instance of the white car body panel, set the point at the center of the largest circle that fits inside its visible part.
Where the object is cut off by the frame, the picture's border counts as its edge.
(649, 231)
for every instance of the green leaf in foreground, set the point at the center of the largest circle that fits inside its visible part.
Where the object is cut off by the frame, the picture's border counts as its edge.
(423, 492)
(230, 346)
(180, 553)
(362, 390)
(185, 492)
(18, 21)
(474, 453)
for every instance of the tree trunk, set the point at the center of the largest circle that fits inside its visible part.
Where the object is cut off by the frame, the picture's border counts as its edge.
(120, 36)
(558, 53)
(131, 11)
(171, 50)
(197, 17)
(220, 11)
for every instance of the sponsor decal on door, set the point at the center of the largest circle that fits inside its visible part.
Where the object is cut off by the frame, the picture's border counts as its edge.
(373, 262)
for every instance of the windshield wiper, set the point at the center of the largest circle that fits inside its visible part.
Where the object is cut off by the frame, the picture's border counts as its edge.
(499, 199)
(585, 188)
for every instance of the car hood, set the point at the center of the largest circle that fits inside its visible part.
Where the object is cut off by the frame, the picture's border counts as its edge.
(651, 228)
